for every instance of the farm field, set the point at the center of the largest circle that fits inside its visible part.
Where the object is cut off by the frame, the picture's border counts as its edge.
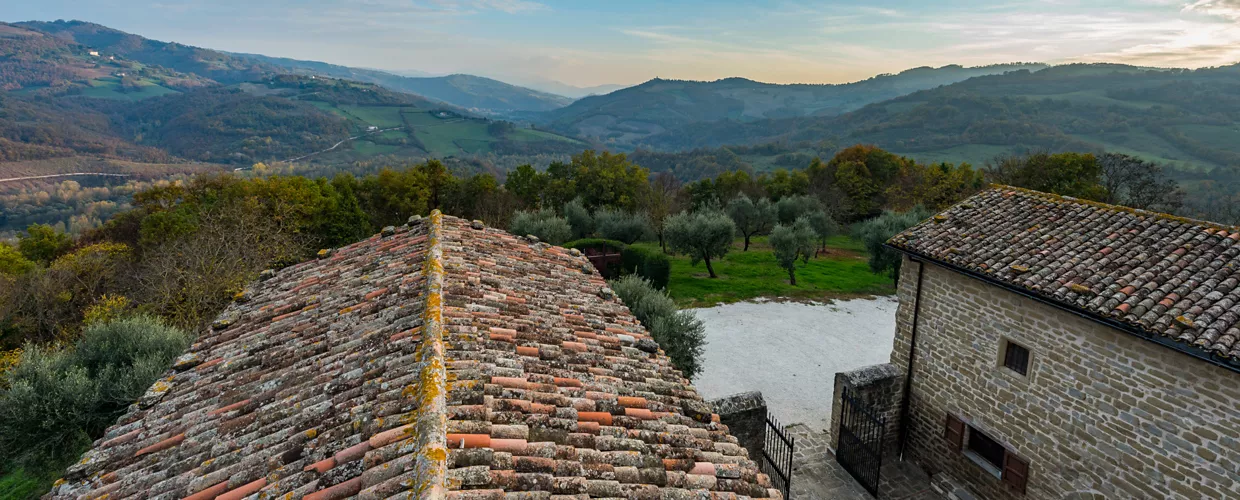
(110, 88)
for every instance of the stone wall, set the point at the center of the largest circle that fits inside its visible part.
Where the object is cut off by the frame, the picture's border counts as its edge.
(878, 387)
(1102, 413)
(745, 416)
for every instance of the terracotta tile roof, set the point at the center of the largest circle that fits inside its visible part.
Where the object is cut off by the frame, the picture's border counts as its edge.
(438, 360)
(1172, 279)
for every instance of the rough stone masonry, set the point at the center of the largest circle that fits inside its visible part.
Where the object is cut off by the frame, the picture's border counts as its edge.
(1101, 413)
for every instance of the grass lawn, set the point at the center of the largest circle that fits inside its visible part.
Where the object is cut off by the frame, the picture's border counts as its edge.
(22, 485)
(746, 275)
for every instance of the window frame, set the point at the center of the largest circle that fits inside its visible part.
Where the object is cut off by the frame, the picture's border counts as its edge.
(1001, 360)
(1012, 471)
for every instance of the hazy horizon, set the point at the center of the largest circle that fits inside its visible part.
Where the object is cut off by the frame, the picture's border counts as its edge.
(594, 43)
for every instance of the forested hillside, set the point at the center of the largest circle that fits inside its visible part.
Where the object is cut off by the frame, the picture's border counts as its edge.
(475, 93)
(627, 118)
(1190, 119)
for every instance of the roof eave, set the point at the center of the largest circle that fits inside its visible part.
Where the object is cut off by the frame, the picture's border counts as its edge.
(1198, 353)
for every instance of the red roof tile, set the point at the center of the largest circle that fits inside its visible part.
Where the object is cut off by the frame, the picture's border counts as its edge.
(1154, 274)
(389, 367)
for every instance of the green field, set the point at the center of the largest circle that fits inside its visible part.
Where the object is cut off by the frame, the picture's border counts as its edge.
(449, 135)
(843, 272)
(110, 88)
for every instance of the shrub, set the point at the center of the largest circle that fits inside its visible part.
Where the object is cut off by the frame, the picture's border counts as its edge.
(679, 333)
(543, 224)
(650, 264)
(703, 235)
(57, 400)
(621, 226)
(683, 337)
(579, 218)
(875, 232)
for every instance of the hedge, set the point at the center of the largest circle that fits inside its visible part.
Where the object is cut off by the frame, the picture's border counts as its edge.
(650, 264)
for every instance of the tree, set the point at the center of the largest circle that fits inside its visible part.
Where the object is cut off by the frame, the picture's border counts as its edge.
(1068, 174)
(543, 224)
(527, 184)
(1137, 183)
(614, 224)
(660, 202)
(579, 219)
(792, 243)
(792, 207)
(823, 225)
(751, 218)
(875, 232)
(12, 262)
(43, 243)
(702, 235)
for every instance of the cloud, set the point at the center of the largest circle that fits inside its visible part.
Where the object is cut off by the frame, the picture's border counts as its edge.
(1229, 9)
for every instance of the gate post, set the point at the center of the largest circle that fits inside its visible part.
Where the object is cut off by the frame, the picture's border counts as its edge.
(745, 416)
(879, 387)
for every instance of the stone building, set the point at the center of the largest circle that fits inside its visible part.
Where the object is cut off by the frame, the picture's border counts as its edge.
(1061, 348)
(441, 359)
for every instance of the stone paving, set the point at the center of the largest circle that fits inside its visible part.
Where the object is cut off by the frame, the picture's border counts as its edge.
(817, 476)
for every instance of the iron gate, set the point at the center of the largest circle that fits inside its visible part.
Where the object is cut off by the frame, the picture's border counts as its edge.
(860, 446)
(776, 460)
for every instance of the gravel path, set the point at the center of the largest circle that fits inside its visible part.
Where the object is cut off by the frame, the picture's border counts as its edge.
(791, 351)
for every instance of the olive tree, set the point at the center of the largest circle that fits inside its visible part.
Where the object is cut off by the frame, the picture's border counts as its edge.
(619, 225)
(824, 227)
(703, 236)
(875, 232)
(579, 218)
(791, 243)
(751, 218)
(543, 224)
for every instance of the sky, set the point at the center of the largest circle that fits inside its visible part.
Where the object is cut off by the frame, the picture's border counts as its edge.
(587, 42)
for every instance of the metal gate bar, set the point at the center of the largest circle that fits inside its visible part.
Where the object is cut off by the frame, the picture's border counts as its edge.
(860, 447)
(777, 450)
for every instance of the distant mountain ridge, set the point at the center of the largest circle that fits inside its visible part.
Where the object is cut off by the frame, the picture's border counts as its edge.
(627, 117)
(475, 93)
(1189, 119)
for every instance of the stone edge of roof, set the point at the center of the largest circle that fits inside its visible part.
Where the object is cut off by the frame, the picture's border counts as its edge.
(1135, 330)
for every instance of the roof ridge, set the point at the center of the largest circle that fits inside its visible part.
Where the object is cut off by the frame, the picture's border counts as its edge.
(1058, 198)
(431, 421)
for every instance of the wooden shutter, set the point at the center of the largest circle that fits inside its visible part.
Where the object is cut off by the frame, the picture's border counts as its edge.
(955, 432)
(1015, 472)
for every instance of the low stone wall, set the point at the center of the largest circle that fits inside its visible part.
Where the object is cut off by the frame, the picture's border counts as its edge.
(745, 416)
(880, 387)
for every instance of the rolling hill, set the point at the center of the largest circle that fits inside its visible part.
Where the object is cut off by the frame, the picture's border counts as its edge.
(475, 93)
(626, 118)
(1188, 119)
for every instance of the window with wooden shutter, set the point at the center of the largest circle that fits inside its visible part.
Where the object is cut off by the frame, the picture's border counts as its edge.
(955, 432)
(1015, 472)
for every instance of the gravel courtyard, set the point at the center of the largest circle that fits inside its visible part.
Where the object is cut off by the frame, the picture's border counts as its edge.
(791, 351)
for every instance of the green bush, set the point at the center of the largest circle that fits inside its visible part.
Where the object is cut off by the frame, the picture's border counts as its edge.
(679, 333)
(596, 243)
(650, 264)
(55, 401)
(543, 224)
